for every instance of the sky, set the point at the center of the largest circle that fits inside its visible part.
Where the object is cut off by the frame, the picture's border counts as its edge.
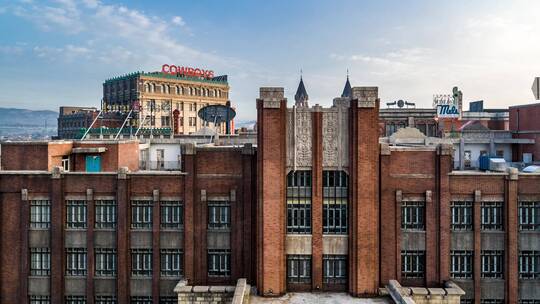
(55, 53)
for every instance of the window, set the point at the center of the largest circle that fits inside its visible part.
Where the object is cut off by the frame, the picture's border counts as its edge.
(172, 214)
(106, 262)
(76, 214)
(529, 216)
(168, 300)
(165, 121)
(141, 214)
(40, 300)
(75, 300)
(40, 261)
(299, 269)
(492, 301)
(461, 264)
(40, 214)
(500, 153)
(141, 300)
(335, 269)
(335, 198)
(141, 262)
(219, 262)
(219, 214)
(462, 216)
(171, 262)
(529, 301)
(412, 264)
(466, 301)
(105, 300)
(105, 214)
(529, 264)
(467, 158)
(76, 261)
(492, 216)
(412, 215)
(492, 264)
(65, 163)
(299, 202)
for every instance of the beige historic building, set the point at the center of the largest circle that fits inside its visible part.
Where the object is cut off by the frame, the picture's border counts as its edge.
(160, 100)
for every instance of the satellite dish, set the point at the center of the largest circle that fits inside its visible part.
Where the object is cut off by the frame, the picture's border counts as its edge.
(216, 113)
(400, 103)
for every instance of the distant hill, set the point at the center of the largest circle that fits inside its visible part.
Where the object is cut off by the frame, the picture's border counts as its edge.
(10, 117)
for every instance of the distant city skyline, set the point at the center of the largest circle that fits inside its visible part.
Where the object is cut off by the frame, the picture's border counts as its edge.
(60, 52)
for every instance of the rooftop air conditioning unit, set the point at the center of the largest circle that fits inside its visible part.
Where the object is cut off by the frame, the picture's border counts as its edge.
(497, 164)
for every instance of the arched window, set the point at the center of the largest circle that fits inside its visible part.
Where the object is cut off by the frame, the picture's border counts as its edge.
(152, 87)
(146, 87)
(335, 202)
(299, 202)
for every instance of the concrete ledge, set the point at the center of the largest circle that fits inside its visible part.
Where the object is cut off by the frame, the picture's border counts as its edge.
(238, 294)
(450, 294)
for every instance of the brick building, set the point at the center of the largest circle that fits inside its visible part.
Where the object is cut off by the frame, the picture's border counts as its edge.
(319, 205)
(72, 121)
(524, 123)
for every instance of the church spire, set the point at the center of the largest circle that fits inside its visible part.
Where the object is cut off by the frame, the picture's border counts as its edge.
(301, 96)
(347, 90)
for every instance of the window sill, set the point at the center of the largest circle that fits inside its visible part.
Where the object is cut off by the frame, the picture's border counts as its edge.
(39, 229)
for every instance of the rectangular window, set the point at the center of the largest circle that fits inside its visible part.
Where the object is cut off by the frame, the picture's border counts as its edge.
(106, 262)
(461, 264)
(105, 214)
(40, 261)
(299, 202)
(40, 299)
(105, 300)
(466, 301)
(491, 301)
(467, 158)
(529, 216)
(141, 300)
(165, 121)
(76, 261)
(529, 301)
(171, 262)
(168, 300)
(76, 214)
(219, 262)
(172, 214)
(141, 262)
(219, 215)
(299, 269)
(75, 300)
(40, 214)
(492, 264)
(335, 202)
(65, 163)
(492, 215)
(529, 264)
(412, 215)
(462, 216)
(335, 269)
(141, 214)
(413, 263)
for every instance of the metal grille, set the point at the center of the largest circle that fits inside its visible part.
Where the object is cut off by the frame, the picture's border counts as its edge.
(529, 264)
(76, 261)
(40, 214)
(413, 263)
(462, 215)
(141, 300)
(492, 216)
(461, 264)
(141, 262)
(76, 214)
(40, 261)
(171, 262)
(335, 202)
(299, 202)
(39, 299)
(105, 214)
(219, 214)
(106, 262)
(172, 214)
(141, 214)
(492, 264)
(413, 215)
(105, 300)
(75, 300)
(335, 269)
(299, 269)
(219, 262)
(529, 216)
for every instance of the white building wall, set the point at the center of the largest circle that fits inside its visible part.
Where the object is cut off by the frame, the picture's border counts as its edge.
(172, 154)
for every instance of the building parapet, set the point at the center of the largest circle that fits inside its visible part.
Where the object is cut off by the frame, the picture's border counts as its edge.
(450, 294)
(238, 294)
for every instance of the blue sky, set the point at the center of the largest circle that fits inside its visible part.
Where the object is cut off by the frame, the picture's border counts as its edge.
(59, 52)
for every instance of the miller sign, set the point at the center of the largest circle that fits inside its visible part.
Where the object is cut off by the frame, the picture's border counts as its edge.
(186, 71)
(447, 111)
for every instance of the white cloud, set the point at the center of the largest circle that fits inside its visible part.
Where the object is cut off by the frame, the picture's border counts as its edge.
(178, 21)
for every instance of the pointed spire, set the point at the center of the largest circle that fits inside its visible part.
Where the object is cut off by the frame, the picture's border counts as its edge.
(301, 96)
(347, 90)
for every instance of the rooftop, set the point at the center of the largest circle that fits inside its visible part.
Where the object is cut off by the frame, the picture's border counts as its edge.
(217, 79)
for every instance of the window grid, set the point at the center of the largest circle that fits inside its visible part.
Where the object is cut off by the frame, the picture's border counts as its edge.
(466, 301)
(335, 269)
(529, 264)
(529, 301)
(492, 216)
(40, 261)
(105, 262)
(40, 214)
(76, 214)
(105, 214)
(171, 262)
(76, 261)
(492, 264)
(40, 299)
(462, 215)
(141, 300)
(412, 215)
(219, 214)
(168, 300)
(299, 202)
(335, 202)
(219, 262)
(299, 269)
(105, 300)
(172, 214)
(461, 264)
(491, 301)
(413, 263)
(75, 300)
(141, 214)
(529, 216)
(141, 262)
